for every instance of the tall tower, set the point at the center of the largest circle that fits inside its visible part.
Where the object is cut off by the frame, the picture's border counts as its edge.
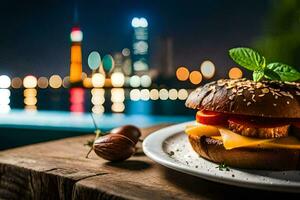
(140, 45)
(76, 55)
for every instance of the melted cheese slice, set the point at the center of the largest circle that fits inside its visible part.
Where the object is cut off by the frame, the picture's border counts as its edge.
(202, 130)
(233, 140)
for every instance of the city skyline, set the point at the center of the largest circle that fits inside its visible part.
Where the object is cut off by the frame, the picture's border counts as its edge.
(40, 46)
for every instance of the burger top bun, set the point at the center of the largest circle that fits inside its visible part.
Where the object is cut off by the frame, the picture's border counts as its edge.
(273, 99)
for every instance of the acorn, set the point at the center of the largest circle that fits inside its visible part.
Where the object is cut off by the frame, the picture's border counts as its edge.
(114, 147)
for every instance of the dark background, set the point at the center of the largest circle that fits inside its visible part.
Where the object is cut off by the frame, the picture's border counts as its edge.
(34, 36)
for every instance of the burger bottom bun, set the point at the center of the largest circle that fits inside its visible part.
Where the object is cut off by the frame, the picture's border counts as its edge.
(247, 158)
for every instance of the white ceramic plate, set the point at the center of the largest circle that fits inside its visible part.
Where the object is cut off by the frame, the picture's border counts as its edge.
(170, 147)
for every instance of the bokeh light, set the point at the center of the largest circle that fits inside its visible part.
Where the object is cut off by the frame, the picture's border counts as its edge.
(146, 81)
(16, 82)
(139, 22)
(163, 94)
(87, 82)
(108, 63)
(55, 81)
(182, 73)
(154, 94)
(135, 95)
(195, 77)
(117, 94)
(126, 52)
(183, 94)
(42, 82)
(76, 34)
(207, 69)
(4, 97)
(117, 79)
(135, 81)
(66, 82)
(94, 60)
(173, 94)
(118, 107)
(235, 73)
(145, 94)
(98, 80)
(4, 81)
(30, 81)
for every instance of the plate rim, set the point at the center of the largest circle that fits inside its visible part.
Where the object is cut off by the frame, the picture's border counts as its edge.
(153, 148)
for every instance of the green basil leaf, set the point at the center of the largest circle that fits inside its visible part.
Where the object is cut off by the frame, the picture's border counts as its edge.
(270, 74)
(247, 58)
(286, 72)
(258, 75)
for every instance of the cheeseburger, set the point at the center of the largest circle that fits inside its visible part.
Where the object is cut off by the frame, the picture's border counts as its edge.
(247, 124)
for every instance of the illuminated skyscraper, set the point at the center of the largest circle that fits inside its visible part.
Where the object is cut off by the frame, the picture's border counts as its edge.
(140, 45)
(76, 55)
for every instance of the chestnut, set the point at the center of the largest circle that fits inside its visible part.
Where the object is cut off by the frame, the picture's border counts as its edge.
(129, 131)
(114, 147)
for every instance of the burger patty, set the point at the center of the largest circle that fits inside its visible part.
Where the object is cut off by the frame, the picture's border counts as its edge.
(257, 131)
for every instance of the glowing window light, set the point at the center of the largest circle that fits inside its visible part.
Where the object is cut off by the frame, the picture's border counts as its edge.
(117, 94)
(195, 77)
(30, 82)
(183, 94)
(76, 34)
(154, 94)
(118, 107)
(87, 82)
(98, 109)
(145, 94)
(55, 81)
(66, 82)
(42, 82)
(117, 79)
(235, 73)
(4, 81)
(173, 94)
(207, 69)
(135, 95)
(30, 101)
(146, 81)
(135, 81)
(182, 73)
(163, 94)
(30, 92)
(16, 82)
(4, 109)
(94, 60)
(98, 80)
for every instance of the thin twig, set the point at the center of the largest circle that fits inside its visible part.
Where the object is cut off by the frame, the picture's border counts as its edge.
(94, 121)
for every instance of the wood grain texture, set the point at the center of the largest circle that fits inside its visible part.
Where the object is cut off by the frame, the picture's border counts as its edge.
(59, 170)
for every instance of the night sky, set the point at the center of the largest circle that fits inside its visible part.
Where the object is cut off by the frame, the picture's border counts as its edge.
(34, 36)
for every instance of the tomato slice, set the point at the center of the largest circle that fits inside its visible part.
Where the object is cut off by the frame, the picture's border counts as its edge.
(211, 118)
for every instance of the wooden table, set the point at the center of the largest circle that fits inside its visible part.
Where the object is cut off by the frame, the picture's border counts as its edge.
(59, 170)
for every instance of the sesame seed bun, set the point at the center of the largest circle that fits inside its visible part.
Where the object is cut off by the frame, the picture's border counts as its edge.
(273, 99)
